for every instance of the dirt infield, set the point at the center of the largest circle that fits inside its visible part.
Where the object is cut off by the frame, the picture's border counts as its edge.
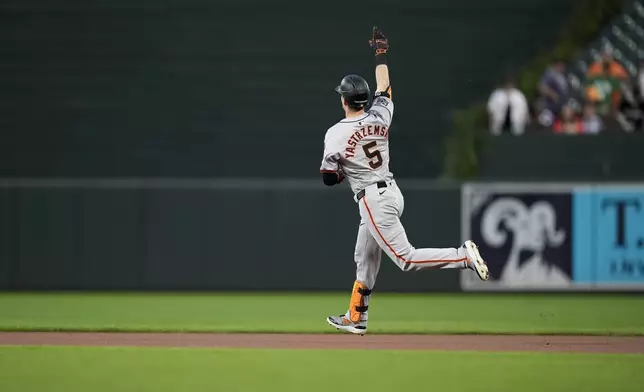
(584, 344)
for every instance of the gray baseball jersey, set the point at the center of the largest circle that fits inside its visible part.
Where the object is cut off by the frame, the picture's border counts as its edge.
(359, 147)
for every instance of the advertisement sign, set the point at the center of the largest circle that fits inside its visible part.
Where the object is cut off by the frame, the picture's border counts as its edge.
(525, 236)
(609, 236)
(556, 236)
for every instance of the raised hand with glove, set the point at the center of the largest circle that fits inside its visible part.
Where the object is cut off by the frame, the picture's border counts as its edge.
(380, 45)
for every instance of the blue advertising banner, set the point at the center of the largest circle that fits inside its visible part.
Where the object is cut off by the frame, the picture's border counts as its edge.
(608, 239)
(540, 236)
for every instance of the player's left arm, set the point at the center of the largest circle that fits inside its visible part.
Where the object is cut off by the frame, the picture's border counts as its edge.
(330, 168)
(332, 178)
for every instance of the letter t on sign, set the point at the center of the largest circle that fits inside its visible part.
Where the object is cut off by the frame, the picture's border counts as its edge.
(620, 214)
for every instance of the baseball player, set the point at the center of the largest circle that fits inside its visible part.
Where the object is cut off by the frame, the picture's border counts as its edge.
(357, 148)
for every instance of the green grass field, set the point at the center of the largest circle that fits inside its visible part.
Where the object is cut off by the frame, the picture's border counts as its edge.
(66, 369)
(300, 313)
(103, 369)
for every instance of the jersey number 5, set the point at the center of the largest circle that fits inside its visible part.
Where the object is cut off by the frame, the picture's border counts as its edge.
(376, 158)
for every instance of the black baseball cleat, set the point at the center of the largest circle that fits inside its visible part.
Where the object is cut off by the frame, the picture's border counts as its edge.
(342, 323)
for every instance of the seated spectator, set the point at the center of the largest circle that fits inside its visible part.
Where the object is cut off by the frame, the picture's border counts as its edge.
(508, 110)
(591, 122)
(608, 68)
(553, 92)
(601, 90)
(568, 122)
(630, 114)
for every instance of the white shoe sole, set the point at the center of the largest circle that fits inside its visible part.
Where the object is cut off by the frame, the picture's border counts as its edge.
(347, 328)
(475, 257)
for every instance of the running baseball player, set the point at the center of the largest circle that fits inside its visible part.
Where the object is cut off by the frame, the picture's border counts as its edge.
(357, 148)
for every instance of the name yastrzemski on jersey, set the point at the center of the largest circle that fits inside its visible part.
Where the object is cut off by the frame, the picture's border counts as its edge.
(367, 130)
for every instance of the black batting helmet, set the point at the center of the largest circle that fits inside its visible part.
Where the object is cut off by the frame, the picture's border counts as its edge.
(355, 91)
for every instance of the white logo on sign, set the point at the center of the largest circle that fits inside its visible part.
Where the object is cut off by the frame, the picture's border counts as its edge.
(533, 229)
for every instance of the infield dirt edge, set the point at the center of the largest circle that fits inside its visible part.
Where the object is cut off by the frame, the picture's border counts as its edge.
(337, 341)
(152, 330)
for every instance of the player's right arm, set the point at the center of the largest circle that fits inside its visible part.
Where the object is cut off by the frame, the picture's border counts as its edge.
(382, 106)
(382, 79)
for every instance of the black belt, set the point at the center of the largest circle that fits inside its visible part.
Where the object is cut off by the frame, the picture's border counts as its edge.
(380, 184)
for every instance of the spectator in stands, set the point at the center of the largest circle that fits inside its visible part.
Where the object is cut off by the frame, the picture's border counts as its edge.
(508, 110)
(568, 122)
(602, 88)
(631, 108)
(615, 69)
(611, 71)
(553, 90)
(591, 122)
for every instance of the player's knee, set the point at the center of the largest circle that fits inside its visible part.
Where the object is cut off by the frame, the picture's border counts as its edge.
(402, 260)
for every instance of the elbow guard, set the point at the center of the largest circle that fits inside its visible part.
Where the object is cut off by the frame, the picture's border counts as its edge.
(331, 179)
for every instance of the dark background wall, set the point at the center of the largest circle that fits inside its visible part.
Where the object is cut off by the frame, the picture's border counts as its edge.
(205, 235)
(615, 156)
(238, 88)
